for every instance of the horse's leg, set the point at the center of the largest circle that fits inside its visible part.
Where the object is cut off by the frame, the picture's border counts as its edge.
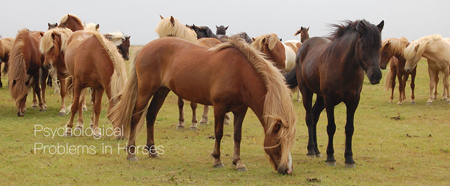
(43, 87)
(238, 119)
(317, 109)
(37, 91)
(394, 74)
(352, 105)
(299, 98)
(400, 85)
(34, 103)
(180, 124)
(436, 82)
(204, 119)
(432, 84)
(153, 109)
(54, 77)
(194, 116)
(331, 129)
(74, 107)
(405, 79)
(84, 107)
(97, 95)
(219, 115)
(62, 93)
(93, 95)
(80, 109)
(309, 117)
(445, 82)
(413, 85)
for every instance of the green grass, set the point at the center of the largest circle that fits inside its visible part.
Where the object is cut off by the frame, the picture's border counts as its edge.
(411, 151)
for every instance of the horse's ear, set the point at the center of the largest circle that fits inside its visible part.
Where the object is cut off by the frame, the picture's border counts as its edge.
(360, 27)
(161, 16)
(41, 33)
(253, 38)
(226, 28)
(416, 48)
(172, 20)
(217, 27)
(307, 29)
(97, 26)
(387, 44)
(381, 25)
(128, 37)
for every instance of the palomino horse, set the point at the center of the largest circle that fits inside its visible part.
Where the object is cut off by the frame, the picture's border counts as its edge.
(437, 51)
(24, 69)
(392, 49)
(122, 42)
(166, 64)
(71, 22)
(51, 48)
(171, 27)
(93, 61)
(5, 48)
(334, 70)
(270, 45)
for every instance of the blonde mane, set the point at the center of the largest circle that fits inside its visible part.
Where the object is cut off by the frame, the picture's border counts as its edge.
(269, 39)
(170, 26)
(277, 103)
(421, 44)
(116, 37)
(396, 45)
(17, 75)
(65, 18)
(91, 27)
(47, 43)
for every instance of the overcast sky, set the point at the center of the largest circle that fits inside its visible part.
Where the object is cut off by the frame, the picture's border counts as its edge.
(138, 18)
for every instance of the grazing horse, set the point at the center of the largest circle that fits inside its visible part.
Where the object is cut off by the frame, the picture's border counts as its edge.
(334, 70)
(51, 47)
(93, 61)
(270, 45)
(304, 35)
(166, 64)
(202, 31)
(392, 49)
(24, 69)
(5, 48)
(71, 22)
(437, 51)
(122, 42)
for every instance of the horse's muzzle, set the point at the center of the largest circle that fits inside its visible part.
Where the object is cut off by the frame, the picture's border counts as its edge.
(48, 66)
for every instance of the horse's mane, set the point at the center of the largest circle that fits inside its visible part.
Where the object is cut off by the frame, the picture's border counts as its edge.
(91, 27)
(410, 51)
(170, 26)
(396, 45)
(277, 103)
(119, 76)
(17, 75)
(350, 26)
(116, 37)
(6, 45)
(260, 41)
(46, 42)
(65, 18)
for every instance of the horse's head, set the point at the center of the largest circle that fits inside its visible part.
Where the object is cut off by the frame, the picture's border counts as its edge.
(71, 22)
(304, 35)
(54, 25)
(385, 54)
(271, 46)
(277, 144)
(50, 45)
(368, 49)
(413, 54)
(221, 30)
(124, 48)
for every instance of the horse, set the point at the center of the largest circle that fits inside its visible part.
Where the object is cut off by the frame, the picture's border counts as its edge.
(202, 31)
(93, 61)
(304, 35)
(221, 33)
(166, 64)
(208, 42)
(51, 47)
(24, 70)
(5, 48)
(334, 69)
(271, 46)
(245, 36)
(392, 49)
(71, 22)
(122, 42)
(171, 27)
(50, 25)
(437, 51)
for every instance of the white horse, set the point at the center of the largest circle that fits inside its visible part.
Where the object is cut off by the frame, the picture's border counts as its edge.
(437, 51)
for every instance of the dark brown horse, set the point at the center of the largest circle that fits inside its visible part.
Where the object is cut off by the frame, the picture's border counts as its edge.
(25, 64)
(392, 49)
(5, 48)
(202, 31)
(166, 64)
(334, 70)
(122, 42)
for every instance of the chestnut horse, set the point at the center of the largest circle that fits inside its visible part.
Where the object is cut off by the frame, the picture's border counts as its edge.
(122, 42)
(270, 45)
(93, 61)
(437, 51)
(166, 64)
(392, 49)
(71, 22)
(334, 70)
(304, 35)
(24, 70)
(5, 48)
(51, 48)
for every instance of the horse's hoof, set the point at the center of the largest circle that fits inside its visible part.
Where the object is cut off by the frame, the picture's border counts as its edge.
(242, 169)
(194, 128)
(203, 122)
(331, 163)
(153, 155)
(413, 102)
(62, 113)
(132, 158)
(399, 103)
(19, 114)
(97, 136)
(84, 108)
(429, 103)
(67, 134)
(318, 155)
(311, 155)
(34, 106)
(180, 127)
(349, 165)
(219, 165)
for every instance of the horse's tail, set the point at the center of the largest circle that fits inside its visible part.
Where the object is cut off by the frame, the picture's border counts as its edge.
(17, 76)
(388, 82)
(291, 79)
(69, 85)
(120, 114)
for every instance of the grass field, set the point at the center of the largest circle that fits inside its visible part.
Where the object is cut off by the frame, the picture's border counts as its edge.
(392, 145)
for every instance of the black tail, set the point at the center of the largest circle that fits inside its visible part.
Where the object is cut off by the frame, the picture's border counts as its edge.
(291, 79)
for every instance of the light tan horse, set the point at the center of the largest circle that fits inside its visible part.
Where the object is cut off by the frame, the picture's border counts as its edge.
(51, 48)
(437, 51)
(5, 47)
(167, 64)
(93, 61)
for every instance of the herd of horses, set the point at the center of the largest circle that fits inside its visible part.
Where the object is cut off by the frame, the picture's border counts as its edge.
(232, 74)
